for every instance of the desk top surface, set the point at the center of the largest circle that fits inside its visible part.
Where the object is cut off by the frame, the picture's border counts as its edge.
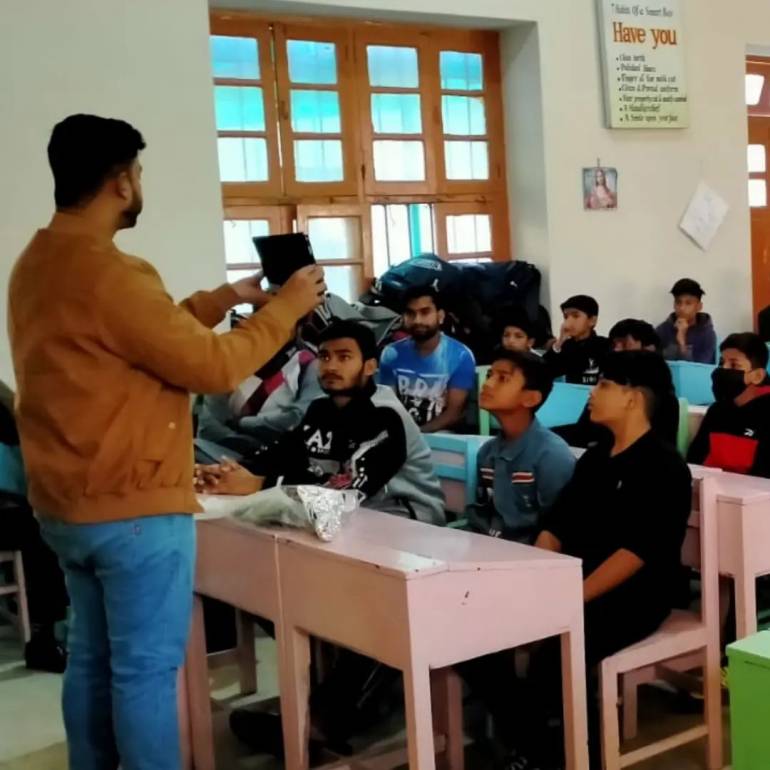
(409, 549)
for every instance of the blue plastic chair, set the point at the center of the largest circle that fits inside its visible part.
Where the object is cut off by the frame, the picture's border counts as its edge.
(692, 382)
(455, 461)
(565, 404)
(12, 477)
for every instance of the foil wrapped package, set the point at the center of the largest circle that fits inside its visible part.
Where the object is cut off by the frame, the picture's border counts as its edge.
(321, 510)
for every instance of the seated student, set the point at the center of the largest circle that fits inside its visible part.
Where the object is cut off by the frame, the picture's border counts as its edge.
(627, 531)
(579, 351)
(629, 334)
(359, 437)
(521, 471)
(432, 374)
(518, 332)
(264, 406)
(688, 333)
(735, 433)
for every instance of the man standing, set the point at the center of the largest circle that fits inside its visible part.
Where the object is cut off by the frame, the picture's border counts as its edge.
(431, 373)
(104, 363)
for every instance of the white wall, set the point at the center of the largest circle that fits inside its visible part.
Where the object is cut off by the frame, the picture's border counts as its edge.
(630, 258)
(145, 61)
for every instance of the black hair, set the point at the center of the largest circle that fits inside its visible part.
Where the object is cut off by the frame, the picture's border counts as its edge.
(642, 370)
(751, 345)
(86, 150)
(641, 331)
(418, 292)
(518, 318)
(583, 303)
(343, 330)
(689, 287)
(538, 376)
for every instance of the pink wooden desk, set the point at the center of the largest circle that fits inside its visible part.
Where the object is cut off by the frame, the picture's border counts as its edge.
(237, 564)
(420, 598)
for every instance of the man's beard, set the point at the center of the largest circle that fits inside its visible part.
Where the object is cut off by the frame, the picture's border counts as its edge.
(425, 334)
(352, 390)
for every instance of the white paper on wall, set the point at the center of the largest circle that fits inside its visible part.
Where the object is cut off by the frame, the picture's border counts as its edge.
(704, 216)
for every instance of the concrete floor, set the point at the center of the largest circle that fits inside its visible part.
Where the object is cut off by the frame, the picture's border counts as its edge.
(32, 734)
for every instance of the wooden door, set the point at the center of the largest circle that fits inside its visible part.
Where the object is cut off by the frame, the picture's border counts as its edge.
(758, 101)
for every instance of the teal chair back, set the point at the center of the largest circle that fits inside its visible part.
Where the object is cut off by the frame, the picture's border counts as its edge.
(565, 404)
(683, 433)
(455, 461)
(12, 478)
(692, 381)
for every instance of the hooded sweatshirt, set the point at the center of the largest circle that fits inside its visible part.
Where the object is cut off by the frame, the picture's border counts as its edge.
(736, 438)
(701, 340)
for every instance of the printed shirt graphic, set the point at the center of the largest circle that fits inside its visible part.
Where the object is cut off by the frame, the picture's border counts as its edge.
(422, 382)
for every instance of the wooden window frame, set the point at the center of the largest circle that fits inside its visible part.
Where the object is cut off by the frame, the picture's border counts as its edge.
(399, 38)
(498, 228)
(486, 44)
(760, 66)
(260, 31)
(345, 88)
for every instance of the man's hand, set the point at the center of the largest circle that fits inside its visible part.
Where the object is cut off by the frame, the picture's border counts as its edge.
(305, 289)
(564, 335)
(681, 331)
(227, 478)
(250, 290)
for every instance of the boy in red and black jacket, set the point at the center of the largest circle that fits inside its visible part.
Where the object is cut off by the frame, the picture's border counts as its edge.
(735, 433)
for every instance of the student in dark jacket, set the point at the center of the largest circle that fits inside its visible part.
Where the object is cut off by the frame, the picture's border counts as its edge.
(578, 353)
(735, 433)
(625, 335)
(688, 333)
(612, 516)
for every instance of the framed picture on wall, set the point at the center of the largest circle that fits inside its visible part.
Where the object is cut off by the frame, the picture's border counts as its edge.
(600, 188)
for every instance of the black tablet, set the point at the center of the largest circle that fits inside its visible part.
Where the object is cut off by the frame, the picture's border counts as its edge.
(282, 255)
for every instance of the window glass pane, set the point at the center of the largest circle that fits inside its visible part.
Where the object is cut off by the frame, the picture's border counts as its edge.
(396, 161)
(392, 66)
(461, 71)
(239, 248)
(466, 160)
(757, 159)
(754, 85)
(234, 57)
(239, 109)
(242, 160)
(757, 193)
(400, 231)
(311, 62)
(344, 281)
(318, 160)
(335, 237)
(421, 220)
(463, 115)
(396, 114)
(468, 234)
(315, 112)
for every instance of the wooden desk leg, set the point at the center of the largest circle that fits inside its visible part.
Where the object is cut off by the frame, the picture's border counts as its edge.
(745, 604)
(419, 721)
(294, 682)
(447, 697)
(573, 666)
(198, 694)
(245, 652)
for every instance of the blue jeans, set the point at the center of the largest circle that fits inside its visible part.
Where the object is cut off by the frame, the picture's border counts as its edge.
(130, 584)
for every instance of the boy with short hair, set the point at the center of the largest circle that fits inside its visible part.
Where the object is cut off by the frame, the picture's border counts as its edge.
(431, 373)
(688, 333)
(521, 471)
(518, 332)
(579, 351)
(633, 334)
(629, 538)
(735, 433)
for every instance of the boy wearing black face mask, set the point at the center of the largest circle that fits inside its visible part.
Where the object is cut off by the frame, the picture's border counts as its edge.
(735, 433)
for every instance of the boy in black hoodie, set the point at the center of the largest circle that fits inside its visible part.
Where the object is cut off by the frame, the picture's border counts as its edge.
(579, 352)
(735, 433)
(688, 333)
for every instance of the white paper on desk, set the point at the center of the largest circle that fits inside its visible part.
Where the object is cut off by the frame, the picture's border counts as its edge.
(704, 216)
